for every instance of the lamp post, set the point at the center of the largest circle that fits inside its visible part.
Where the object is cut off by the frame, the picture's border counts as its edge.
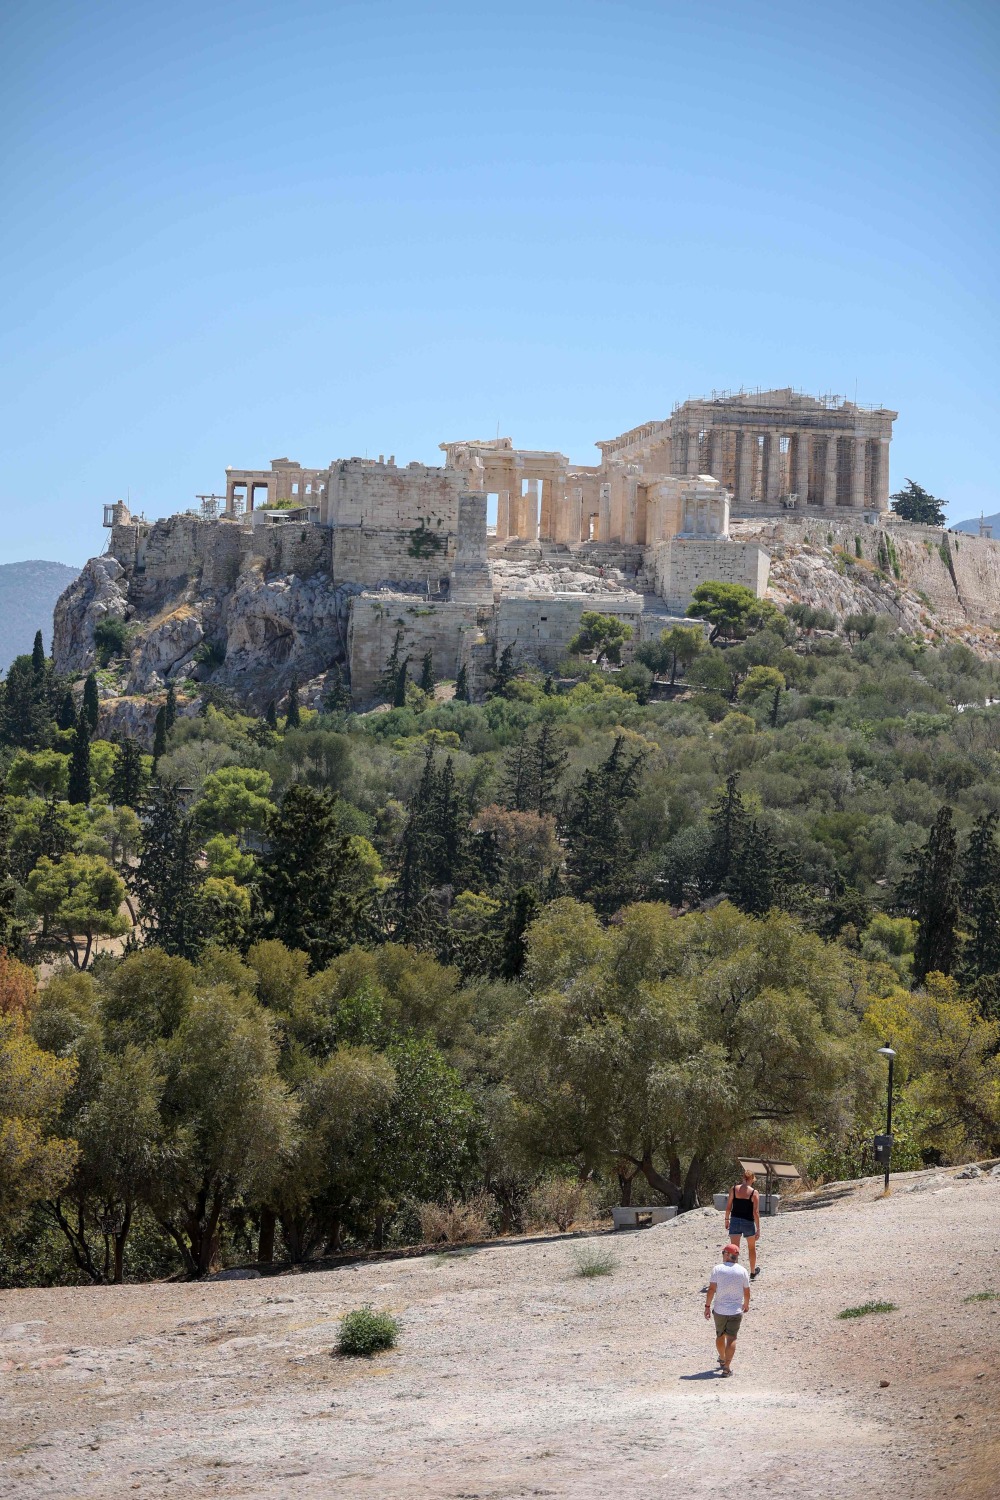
(890, 1054)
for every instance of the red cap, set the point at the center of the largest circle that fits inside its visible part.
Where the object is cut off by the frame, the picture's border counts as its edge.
(731, 1248)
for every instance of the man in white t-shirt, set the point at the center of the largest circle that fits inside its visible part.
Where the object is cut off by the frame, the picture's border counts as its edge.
(729, 1284)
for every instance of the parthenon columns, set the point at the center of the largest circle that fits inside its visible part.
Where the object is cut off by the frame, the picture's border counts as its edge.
(830, 471)
(746, 442)
(772, 467)
(800, 483)
(859, 454)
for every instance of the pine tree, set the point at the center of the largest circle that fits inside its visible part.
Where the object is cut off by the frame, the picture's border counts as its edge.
(426, 683)
(308, 892)
(598, 858)
(462, 694)
(25, 711)
(399, 691)
(38, 655)
(549, 762)
(292, 716)
(503, 671)
(91, 701)
(389, 679)
(168, 880)
(159, 734)
(79, 763)
(11, 930)
(435, 846)
(127, 777)
(981, 899)
(170, 708)
(66, 718)
(271, 717)
(929, 893)
(516, 780)
(727, 841)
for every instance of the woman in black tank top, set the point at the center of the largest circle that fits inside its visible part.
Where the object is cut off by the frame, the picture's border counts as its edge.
(743, 1217)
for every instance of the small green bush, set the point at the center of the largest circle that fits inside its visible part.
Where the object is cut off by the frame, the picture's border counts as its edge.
(594, 1260)
(866, 1308)
(365, 1331)
(983, 1297)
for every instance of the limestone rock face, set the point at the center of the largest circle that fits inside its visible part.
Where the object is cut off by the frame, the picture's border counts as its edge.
(165, 648)
(98, 593)
(281, 627)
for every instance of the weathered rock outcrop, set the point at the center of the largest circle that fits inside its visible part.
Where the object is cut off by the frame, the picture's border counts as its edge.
(99, 592)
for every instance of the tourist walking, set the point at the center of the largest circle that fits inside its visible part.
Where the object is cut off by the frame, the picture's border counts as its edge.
(743, 1218)
(727, 1299)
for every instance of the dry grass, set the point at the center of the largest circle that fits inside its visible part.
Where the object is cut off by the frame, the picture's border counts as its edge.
(455, 1222)
(560, 1202)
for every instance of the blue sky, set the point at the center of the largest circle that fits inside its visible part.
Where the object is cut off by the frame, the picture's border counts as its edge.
(235, 231)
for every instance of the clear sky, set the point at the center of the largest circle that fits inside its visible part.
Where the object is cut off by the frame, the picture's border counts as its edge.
(239, 230)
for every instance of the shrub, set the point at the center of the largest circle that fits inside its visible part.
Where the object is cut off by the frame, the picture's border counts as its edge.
(455, 1222)
(365, 1331)
(983, 1297)
(594, 1260)
(559, 1201)
(866, 1308)
(111, 638)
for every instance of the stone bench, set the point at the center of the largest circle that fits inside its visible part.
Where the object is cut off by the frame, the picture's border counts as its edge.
(639, 1217)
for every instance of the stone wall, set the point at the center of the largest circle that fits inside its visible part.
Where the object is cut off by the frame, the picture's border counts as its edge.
(540, 627)
(289, 547)
(679, 566)
(448, 630)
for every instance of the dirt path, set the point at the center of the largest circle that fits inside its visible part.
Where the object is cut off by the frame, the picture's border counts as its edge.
(515, 1378)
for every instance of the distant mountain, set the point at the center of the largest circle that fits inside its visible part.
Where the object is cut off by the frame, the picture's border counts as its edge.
(28, 592)
(973, 525)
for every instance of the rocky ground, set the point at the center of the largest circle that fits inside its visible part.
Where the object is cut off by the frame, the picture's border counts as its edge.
(514, 1377)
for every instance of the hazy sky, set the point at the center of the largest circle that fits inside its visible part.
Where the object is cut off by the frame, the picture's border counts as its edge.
(234, 231)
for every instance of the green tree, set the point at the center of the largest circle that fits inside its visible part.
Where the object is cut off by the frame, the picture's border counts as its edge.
(37, 1160)
(316, 882)
(338, 694)
(399, 688)
(38, 655)
(503, 671)
(426, 683)
(599, 862)
(929, 894)
(25, 715)
(434, 848)
(235, 800)
(128, 778)
(293, 717)
(271, 716)
(77, 898)
(600, 636)
(79, 762)
(66, 717)
(11, 927)
(980, 899)
(462, 694)
(914, 503)
(110, 639)
(168, 881)
(170, 707)
(732, 610)
(91, 701)
(674, 651)
(389, 679)
(159, 734)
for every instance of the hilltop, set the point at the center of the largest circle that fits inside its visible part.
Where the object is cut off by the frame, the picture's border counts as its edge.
(514, 1377)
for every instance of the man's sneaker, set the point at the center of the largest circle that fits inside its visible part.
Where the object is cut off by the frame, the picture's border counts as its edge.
(755, 1274)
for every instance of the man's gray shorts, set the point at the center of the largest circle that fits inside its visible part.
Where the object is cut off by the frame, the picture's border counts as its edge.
(728, 1323)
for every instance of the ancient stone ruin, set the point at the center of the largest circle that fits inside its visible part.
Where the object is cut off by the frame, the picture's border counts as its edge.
(298, 570)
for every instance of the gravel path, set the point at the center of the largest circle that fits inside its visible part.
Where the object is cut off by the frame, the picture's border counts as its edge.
(515, 1378)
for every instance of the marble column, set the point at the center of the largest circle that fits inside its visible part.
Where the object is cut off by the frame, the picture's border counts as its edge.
(801, 467)
(858, 457)
(545, 513)
(881, 496)
(503, 515)
(744, 466)
(830, 471)
(604, 515)
(772, 467)
(530, 532)
(717, 453)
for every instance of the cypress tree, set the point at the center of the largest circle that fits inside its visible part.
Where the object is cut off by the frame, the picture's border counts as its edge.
(503, 671)
(159, 734)
(168, 879)
(981, 899)
(516, 787)
(426, 683)
(389, 679)
(435, 846)
(91, 700)
(127, 777)
(514, 949)
(727, 841)
(338, 694)
(170, 708)
(292, 716)
(929, 893)
(38, 655)
(549, 762)
(462, 694)
(25, 712)
(271, 717)
(66, 717)
(79, 763)
(399, 691)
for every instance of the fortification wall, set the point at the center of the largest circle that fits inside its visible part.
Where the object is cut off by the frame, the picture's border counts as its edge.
(293, 548)
(678, 566)
(540, 627)
(448, 630)
(379, 496)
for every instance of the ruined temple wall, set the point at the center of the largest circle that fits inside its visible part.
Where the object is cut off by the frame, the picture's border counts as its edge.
(293, 548)
(448, 630)
(382, 497)
(679, 566)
